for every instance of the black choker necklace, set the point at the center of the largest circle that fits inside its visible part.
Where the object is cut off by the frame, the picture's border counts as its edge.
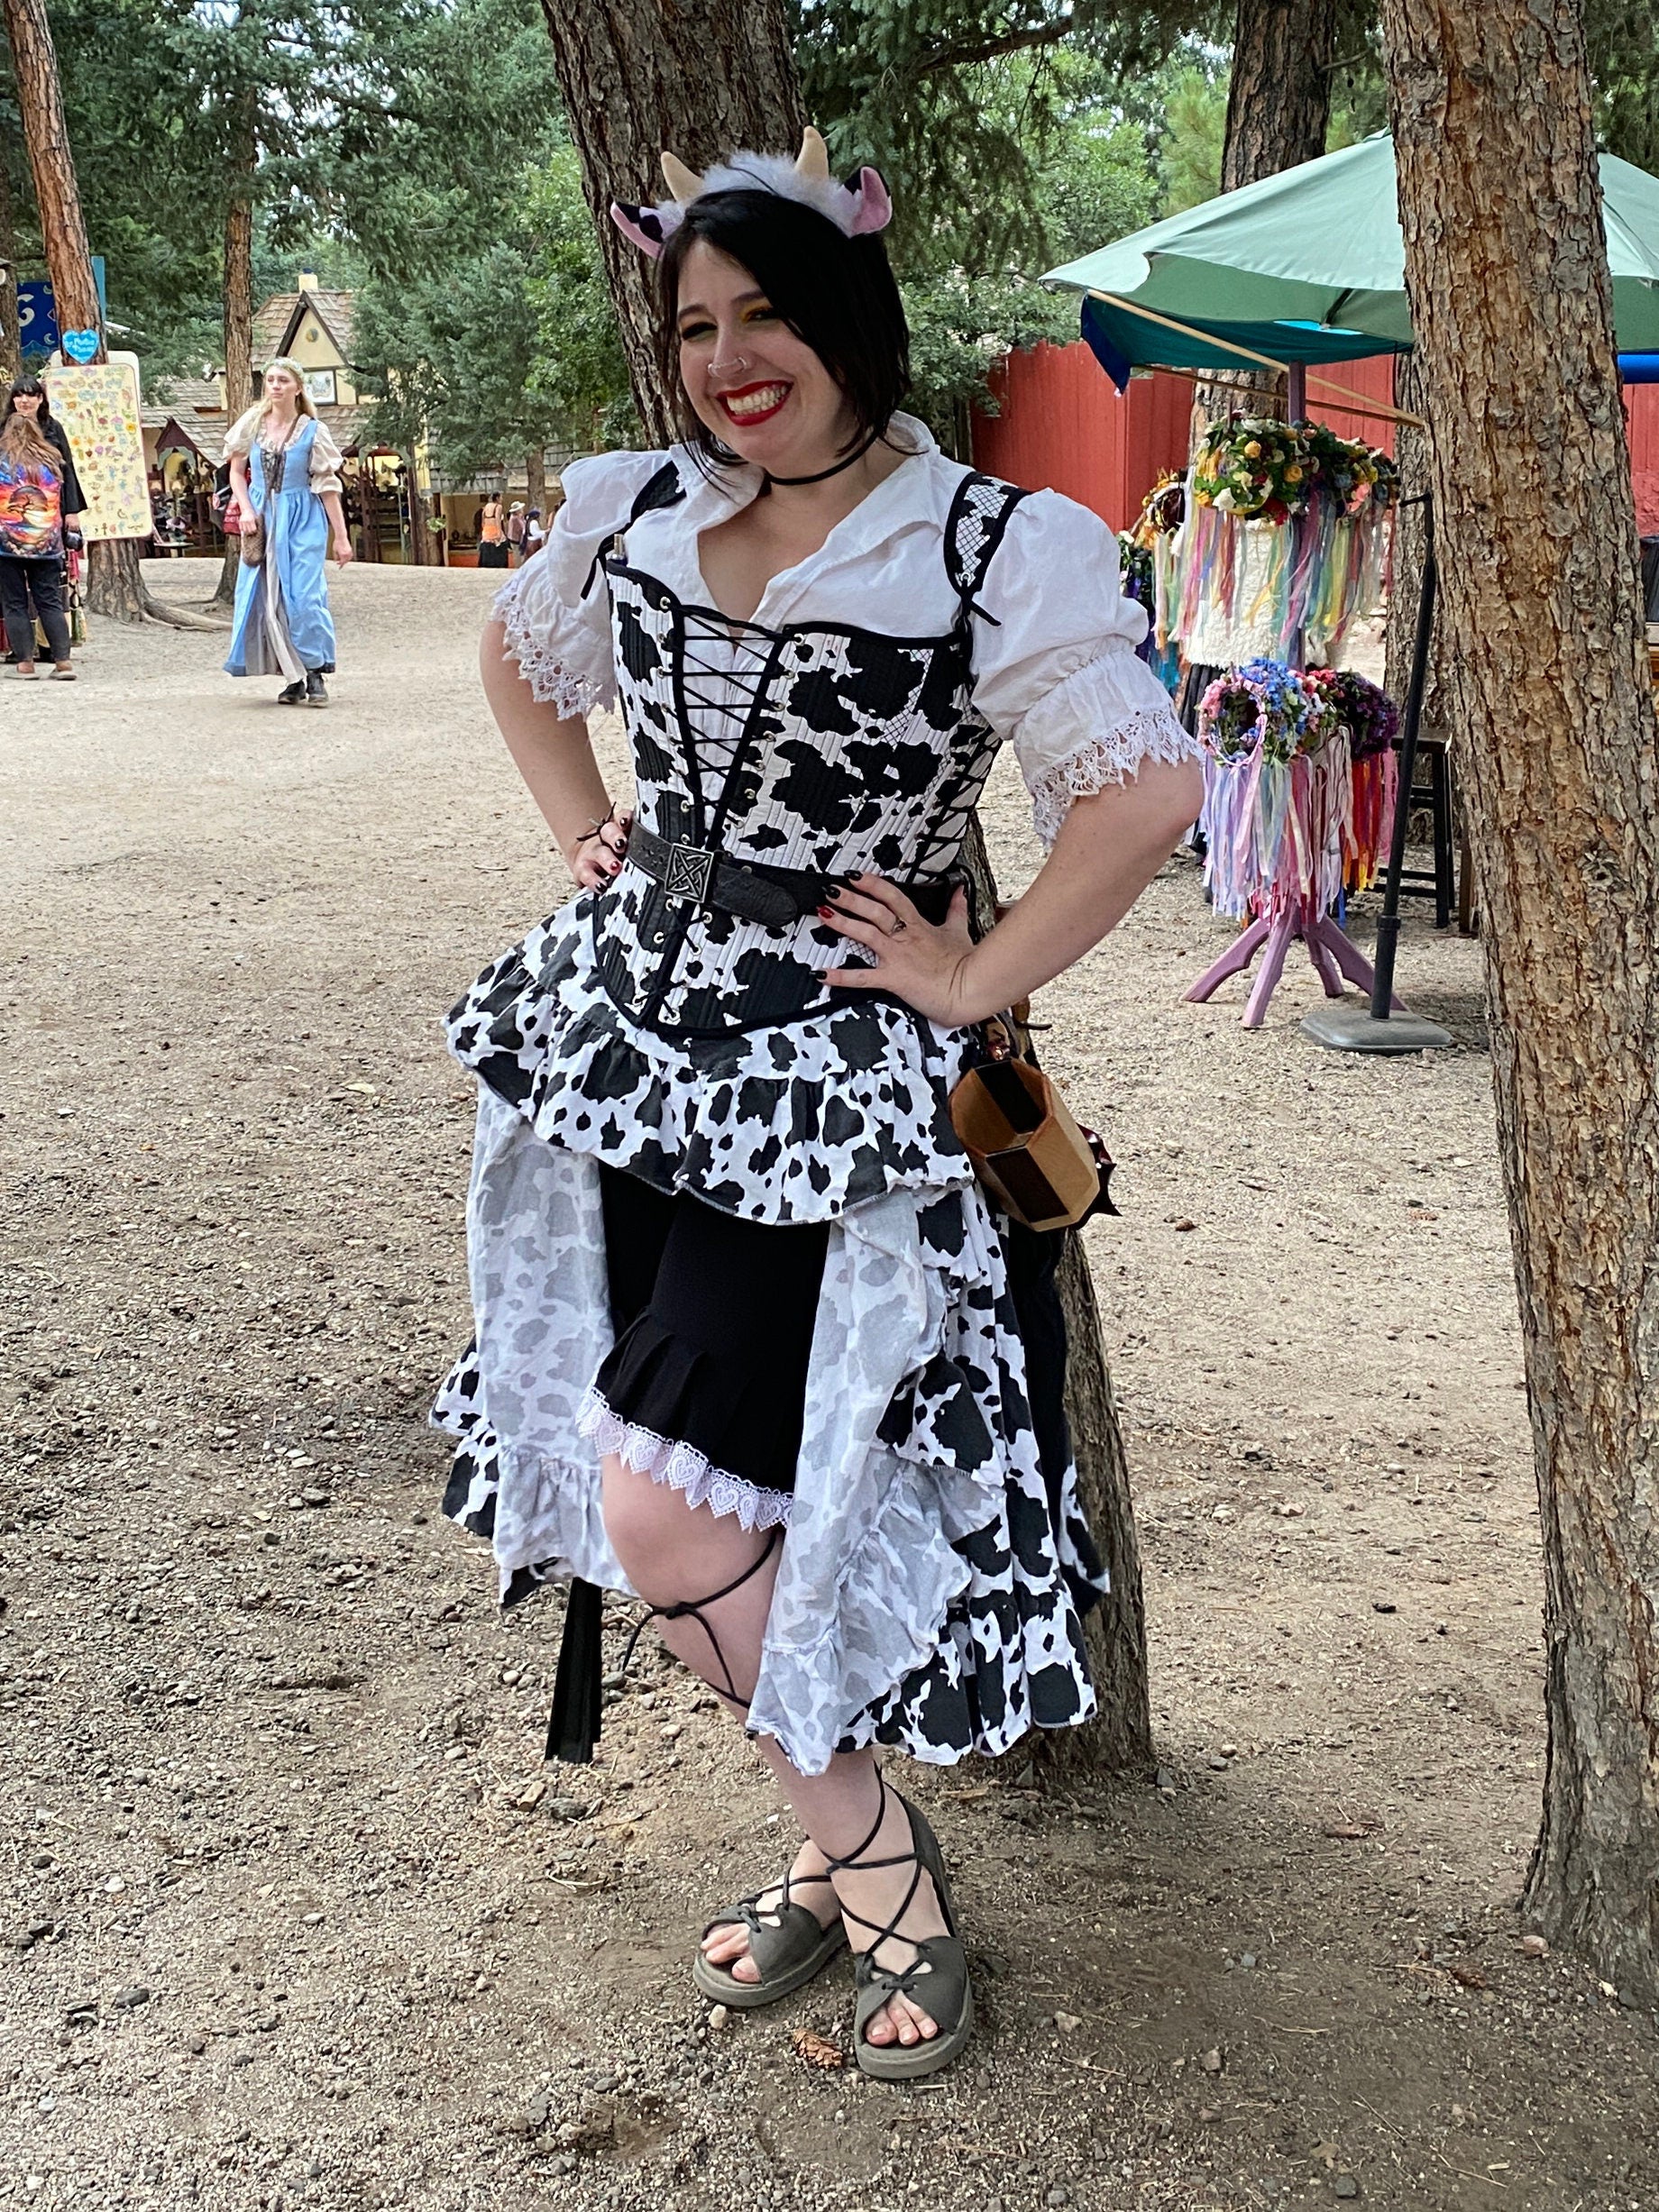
(824, 474)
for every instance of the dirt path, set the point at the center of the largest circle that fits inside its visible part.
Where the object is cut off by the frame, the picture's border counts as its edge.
(295, 1916)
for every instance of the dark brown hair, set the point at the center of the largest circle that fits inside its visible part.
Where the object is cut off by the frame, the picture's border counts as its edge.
(836, 293)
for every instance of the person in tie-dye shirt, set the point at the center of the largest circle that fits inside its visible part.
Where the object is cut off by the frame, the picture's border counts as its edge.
(39, 497)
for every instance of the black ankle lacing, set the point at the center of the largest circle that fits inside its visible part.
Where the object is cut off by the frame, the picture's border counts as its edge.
(691, 1609)
(895, 1983)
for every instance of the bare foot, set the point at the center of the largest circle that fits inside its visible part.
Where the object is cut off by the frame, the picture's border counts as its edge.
(809, 1886)
(876, 1894)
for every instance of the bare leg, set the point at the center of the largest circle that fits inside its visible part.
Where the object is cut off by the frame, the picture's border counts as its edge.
(675, 1554)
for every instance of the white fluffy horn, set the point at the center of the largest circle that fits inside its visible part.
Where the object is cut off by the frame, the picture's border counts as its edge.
(813, 159)
(684, 183)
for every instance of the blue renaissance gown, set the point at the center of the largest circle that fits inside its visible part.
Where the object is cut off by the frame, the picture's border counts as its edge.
(283, 626)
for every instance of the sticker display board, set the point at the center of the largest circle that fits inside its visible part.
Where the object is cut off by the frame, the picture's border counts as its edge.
(99, 407)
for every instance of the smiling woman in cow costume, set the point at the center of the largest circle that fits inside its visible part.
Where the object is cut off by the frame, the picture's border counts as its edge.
(752, 1345)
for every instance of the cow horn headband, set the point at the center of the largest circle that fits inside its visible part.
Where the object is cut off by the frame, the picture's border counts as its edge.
(856, 208)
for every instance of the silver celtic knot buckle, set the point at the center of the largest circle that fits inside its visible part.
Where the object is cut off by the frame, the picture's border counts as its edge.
(688, 873)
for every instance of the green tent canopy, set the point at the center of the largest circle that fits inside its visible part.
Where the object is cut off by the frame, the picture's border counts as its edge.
(1310, 266)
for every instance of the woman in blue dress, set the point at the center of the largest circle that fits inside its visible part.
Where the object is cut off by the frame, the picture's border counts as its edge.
(285, 473)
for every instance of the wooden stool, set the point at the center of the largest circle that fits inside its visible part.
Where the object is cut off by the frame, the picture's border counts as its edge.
(1434, 762)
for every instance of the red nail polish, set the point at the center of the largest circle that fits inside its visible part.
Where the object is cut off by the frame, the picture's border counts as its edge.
(825, 913)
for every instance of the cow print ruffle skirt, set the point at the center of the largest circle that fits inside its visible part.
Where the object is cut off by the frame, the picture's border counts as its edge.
(936, 1569)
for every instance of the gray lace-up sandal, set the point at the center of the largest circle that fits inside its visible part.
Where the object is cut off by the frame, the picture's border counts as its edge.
(936, 1978)
(787, 1943)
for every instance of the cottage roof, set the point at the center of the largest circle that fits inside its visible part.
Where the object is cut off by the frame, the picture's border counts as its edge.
(277, 322)
(194, 405)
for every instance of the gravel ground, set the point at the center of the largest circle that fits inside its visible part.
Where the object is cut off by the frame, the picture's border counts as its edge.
(294, 1915)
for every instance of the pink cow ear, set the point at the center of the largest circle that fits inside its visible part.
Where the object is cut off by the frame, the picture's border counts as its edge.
(874, 210)
(644, 225)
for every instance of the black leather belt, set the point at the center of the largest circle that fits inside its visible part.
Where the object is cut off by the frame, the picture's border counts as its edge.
(779, 897)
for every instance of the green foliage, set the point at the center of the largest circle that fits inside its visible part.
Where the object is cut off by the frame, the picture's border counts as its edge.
(1195, 129)
(583, 370)
(1623, 40)
(1094, 185)
(961, 103)
(513, 348)
(960, 326)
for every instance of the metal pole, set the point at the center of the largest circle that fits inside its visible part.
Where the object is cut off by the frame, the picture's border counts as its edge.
(1295, 391)
(1389, 920)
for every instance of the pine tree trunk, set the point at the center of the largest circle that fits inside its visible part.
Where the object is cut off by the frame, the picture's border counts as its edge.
(1411, 451)
(11, 335)
(1279, 94)
(1278, 109)
(238, 316)
(634, 82)
(662, 89)
(1536, 545)
(1119, 1742)
(421, 553)
(39, 99)
(114, 585)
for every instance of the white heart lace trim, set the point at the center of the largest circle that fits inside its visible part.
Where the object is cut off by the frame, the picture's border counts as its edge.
(551, 683)
(1151, 733)
(667, 1461)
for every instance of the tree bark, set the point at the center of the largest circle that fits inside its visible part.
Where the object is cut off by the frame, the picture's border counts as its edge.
(634, 82)
(421, 553)
(536, 482)
(1278, 110)
(1279, 94)
(1119, 1740)
(1536, 545)
(1411, 453)
(238, 316)
(637, 80)
(39, 99)
(11, 335)
(114, 585)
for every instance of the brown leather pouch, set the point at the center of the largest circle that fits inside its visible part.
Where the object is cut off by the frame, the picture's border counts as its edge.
(254, 546)
(1033, 1159)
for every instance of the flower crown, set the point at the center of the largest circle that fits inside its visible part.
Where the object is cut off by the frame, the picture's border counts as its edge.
(856, 208)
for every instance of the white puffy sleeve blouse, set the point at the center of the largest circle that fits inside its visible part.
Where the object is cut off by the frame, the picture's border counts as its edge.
(1055, 668)
(326, 461)
(1055, 671)
(556, 613)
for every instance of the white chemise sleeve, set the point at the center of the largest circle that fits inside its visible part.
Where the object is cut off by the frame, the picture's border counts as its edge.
(327, 461)
(557, 612)
(1055, 672)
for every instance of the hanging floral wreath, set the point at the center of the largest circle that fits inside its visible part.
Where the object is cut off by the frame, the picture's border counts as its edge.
(1367, 712)
(1355, 477)
(1162, 512)
(1265, 708)
(1252, 465)
(1138, 581)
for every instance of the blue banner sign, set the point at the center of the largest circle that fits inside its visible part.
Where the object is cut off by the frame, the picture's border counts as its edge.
(37, 312)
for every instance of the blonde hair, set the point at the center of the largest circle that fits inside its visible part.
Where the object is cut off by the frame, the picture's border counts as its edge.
(240, 437)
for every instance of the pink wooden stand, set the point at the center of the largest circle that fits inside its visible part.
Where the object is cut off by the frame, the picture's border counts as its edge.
(1328, 949)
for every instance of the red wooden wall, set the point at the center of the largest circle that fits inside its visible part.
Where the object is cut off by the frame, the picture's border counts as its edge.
(1063, 427)
(1641, 420)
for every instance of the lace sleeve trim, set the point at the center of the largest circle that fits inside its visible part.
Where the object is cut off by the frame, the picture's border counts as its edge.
(552, 683)
(1151, 733)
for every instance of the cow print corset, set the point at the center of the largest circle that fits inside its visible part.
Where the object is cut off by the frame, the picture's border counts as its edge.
(824, 747)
